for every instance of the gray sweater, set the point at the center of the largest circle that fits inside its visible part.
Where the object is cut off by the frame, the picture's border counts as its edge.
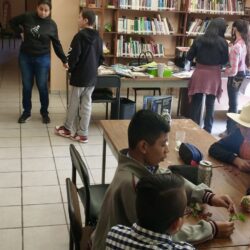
(119, 204)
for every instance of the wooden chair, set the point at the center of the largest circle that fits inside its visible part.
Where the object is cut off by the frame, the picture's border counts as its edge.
(79, 236)
(90, 195)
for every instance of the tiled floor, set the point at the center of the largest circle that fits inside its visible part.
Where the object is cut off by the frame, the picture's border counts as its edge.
(34, 163)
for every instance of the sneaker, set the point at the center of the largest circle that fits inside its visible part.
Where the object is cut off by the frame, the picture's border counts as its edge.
(23, 118)
(223, 134)
(46, 118)
(62, 131)
(80, 138)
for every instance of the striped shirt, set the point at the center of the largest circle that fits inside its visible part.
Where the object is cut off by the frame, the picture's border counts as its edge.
(121, 237)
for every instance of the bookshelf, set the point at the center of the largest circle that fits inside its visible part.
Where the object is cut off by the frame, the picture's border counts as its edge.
(129, 27)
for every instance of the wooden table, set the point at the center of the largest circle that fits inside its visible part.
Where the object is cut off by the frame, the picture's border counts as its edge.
(226, 179)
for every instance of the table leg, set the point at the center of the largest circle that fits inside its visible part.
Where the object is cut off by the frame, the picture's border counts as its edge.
(103, 160)
(202, 109)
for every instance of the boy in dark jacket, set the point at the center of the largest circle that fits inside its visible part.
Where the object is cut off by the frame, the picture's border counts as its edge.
(85, 56)
(235, 148)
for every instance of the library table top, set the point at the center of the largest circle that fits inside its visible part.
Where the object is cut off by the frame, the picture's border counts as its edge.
(226, 179)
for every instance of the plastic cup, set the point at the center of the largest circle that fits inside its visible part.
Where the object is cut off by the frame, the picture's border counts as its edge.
(160, 69)
(179, 138)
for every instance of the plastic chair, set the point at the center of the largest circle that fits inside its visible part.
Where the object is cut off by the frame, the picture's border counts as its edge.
(79, 236)
(91, 195)
(103, 93)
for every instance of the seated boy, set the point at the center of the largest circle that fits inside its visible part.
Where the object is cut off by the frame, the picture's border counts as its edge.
(160, 205)
(235, 148)
(147, 139)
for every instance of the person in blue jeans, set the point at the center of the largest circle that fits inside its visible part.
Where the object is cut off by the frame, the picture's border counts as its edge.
(37, 30)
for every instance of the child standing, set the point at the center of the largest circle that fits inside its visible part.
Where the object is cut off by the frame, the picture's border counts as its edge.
(147, 138)
(237, 70)
(160, 205)
(85, 56)
(235, 148)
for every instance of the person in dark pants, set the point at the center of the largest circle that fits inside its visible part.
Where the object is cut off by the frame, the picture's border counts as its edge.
(211, 52)
(237, 70)
(37, 30)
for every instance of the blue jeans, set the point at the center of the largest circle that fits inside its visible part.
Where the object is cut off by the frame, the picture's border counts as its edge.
(195, 110)
(35, 67)
(233, 92)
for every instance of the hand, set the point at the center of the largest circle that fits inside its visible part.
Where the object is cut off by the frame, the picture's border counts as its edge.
(65, 65)
(22, 36)
(223, 201)
(225, 229)
(243, 165)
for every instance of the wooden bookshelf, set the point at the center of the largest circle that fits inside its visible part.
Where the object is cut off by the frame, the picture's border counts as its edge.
(164, 24)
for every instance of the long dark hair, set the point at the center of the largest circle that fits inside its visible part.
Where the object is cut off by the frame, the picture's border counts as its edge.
(242, 27)
(214, 31)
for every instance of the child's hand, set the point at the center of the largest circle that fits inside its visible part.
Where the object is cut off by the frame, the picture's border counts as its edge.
(225, 229)
(223, 201)
(66, 66)
(243, 165)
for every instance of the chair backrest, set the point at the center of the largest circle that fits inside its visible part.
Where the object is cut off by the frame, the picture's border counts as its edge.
(80, 235)
(109, 81)
(79, 166)
(74, 211)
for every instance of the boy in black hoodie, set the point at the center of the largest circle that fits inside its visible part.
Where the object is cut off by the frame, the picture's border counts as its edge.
(85, 56)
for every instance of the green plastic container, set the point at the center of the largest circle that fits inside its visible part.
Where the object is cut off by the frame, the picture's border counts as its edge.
(167, 73)
(152, 71)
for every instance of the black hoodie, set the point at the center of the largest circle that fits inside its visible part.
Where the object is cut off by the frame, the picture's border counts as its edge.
(85, 56)
(38, 32)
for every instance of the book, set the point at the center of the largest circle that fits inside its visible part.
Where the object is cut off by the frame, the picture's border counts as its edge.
(157, 103)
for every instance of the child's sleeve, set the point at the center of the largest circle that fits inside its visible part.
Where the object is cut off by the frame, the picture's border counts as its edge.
(195, 234)
(16, 23)
(74, 52)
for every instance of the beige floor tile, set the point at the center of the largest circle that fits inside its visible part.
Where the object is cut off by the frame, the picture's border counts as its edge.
(97, 173)
(11, 123)
(10, 197)
(40, 178)
(10, 217)
(12, 132)
(10, 165)
(40, 195)
(11, 239)
(38, 164)
(96, 162)
(43, 215)
(35, 141)
(30, 132)
(63, 174)
(9, 153)
(36, 152)
(63, 151)
(62, 141)
(49, 238)
(9, 142)
(10, 180)
(63, 163)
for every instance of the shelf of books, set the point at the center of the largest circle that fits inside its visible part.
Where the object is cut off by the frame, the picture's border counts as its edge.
(129, 27)
(228, 7)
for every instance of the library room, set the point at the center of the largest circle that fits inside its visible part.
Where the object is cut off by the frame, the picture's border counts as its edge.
(124, 124)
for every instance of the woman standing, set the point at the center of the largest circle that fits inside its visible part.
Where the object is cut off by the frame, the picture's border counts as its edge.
(37, 30)
(237, 70)
(211, 52)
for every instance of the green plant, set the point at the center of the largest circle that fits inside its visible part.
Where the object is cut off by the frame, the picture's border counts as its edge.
(237, 216)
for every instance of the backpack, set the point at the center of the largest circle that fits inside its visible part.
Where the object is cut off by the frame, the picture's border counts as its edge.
(190, 154)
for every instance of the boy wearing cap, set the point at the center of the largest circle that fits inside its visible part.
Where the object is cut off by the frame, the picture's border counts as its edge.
(235, 148)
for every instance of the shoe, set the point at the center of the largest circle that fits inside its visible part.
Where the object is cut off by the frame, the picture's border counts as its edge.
(46, 118)
(62, 131)
(223, 134)
(23, 118)
(79, 138)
